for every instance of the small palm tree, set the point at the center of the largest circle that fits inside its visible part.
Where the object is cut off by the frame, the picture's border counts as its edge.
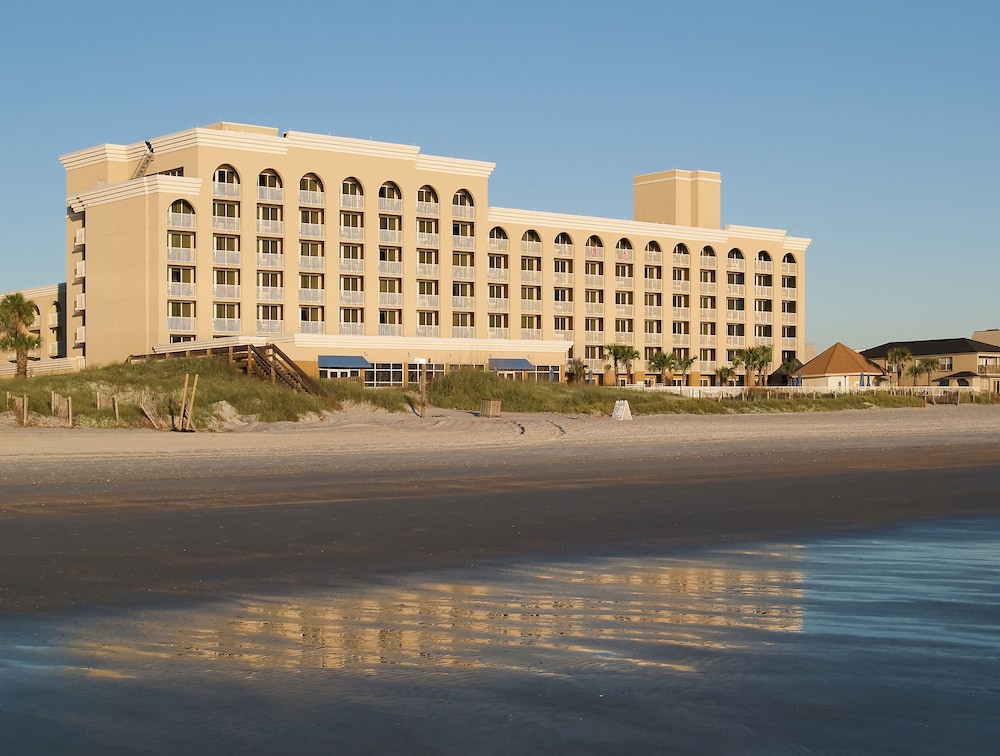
(725, 375)
(629, 355)
(684, 366)
(789, 367)
(896, 359)
(621, 354)
(665, 363)
(16, 316)
(576, 371)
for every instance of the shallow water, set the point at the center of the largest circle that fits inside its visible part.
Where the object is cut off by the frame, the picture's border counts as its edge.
(883, 643)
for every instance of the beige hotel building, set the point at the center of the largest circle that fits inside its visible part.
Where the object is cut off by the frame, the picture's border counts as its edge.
(368, 258)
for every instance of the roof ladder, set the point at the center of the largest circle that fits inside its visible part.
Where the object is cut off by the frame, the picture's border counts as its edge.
(140, 170)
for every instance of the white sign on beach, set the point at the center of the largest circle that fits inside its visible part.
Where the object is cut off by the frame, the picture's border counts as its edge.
(621, 412)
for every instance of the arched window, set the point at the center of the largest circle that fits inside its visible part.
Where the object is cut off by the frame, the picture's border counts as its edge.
(564, 239)
(653, 247)
(226, 182)
(531, 243)
(763, 256)
(269, 186)
(390, 199)
(680, 249)
(352, 195)
(497, 233)
(735, 254)
(462, 205)
(624, 246)
(310, 190)
(181, 214)
(789, 258)
(707, 252)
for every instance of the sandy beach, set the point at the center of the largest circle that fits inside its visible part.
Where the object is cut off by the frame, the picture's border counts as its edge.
(106, 516)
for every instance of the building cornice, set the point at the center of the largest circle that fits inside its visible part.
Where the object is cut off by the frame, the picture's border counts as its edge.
(141, 187)
(436, 164)
(593, 224)
(351, 146)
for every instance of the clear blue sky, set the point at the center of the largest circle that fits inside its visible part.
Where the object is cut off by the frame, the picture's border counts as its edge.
(870, 127)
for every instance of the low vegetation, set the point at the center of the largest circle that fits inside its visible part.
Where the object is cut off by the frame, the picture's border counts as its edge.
(223, 393)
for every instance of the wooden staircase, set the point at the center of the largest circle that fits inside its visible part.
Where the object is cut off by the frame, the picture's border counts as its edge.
(266, 362)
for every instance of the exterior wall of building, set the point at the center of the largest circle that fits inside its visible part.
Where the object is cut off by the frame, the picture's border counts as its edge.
(50, 326)
(237, 231)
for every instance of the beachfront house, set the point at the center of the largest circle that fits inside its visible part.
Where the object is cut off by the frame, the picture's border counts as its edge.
(840, 368)
(959, 362)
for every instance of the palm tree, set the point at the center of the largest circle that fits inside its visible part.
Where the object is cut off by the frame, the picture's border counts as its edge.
(725, 374)
(16, 316)
(755, 360)
(576, 371)
(665, 362)
(684, 365)
(790, 366)
(896, 359)
(914, 371)
(621, 354)
(929, 365)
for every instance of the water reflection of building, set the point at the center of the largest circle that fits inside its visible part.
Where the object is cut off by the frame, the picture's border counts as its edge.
(452, 624)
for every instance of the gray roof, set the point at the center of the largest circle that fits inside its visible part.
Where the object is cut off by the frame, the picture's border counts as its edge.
(932, 348)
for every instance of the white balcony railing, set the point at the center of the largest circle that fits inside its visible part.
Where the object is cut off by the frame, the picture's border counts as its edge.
(80, 302)
(463, 303)
(496, 304)
(531, 276)
(624, 283)
(225, 325)
(463, 332)
(80, 270)
(270, 260)
(224, 223)
(390, 329)
(562, 279)
(594, 337)
(390, 205)
(390, 236)
(499, 246)
(428, 300)
(352, 233)
(390, 268)
(270, 326)
(734, 263)
(593, 281)
(428, 239)
(312, 296)
(311, 326)
(228, 189)
(351, 265)
(428, 209)
(390, 299)
(180, 289)
(352, 329)
(497, 274)
(593, 308)
(80, 238)
(463, 272)
(352, 297)
(531, 305)
(531, 248)
(307, 197)
(180, 254)
(565, 308)
(311, 262)
(352, 202)
(226, 291)
(463, 242)
(531, 334)
(498, 333)
(463, 211)
(80, 335)
(312, 230)
(181, 324)
(270, 294)
(182, 220)
(271, 227)
(270, 194)
(225, 257)
(429, 331)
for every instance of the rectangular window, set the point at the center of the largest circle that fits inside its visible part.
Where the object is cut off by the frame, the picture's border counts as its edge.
(562, 266)
(623, 325)
(735, 304)
(594, 296)
(623, 298)
(681, 300)
(707, 276)
(653, 326)
(498, 320)
(352, 283)
(593, 352)
(681, 328)
(682, 274)
(531, 322)
(267, 278)
(593, 325)
(269, 312)
(269, 246)
(352, 252)
(560, 323)
(463, 319)
(653, 273)
(390, 254)
(311, 249)
(533, 293)
(427, 288)
(352, 315)
(226, 311)
(708, 303)
(180, 309)
(734, 329)
(427, 318)
(623, 270)
(707, 329)
(498, 291)
(427, 256)
(498, 262)
(562, 295)
(593, 268)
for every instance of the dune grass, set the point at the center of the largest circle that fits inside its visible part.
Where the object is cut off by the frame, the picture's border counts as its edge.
(161, 383)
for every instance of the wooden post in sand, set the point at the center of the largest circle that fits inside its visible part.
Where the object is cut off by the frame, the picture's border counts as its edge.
(24, 411)
(184, 394)
(69, 410)
(186, 422)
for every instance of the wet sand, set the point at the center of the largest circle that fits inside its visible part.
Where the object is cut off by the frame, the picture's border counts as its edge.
(109, 518)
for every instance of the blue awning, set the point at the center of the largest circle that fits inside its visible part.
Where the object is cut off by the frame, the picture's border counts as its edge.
(511, 365)
(343, 361)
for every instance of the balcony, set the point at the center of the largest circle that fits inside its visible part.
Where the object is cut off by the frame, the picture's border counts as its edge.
(706, 367)
(428, 270)
(707, 339)
(653, 257)
(463, 242)
(763, 292)
(181, 324)
(495, 304)
(224, 223)
(624, 283)
(429, 331)
(312, 326)
(352, 233)
(390, 299)
(182, 220)
(390, 205)
(531, 305)
(307, 197)
(351, 265)
(708, 313)
(80, 237)
(390, 236)
(428, 209)
(682, 287)
(270, 194)
(312, 230)
(270, 227)
(624, 311)
(708, 262)
(498, 333)
(681, 339)
(788, 344)
(497, 274)
(352, 202)
(708, 287)
(562, 279)
(499, 246)
(225, 257)
(762, 317)
(764, 266)
(180, 254)
(531, 334)
(390, 268)
(594, 337)
(463, 272)
(734, 263)
(80, 303)
(463, 332)
(270, 326)
(390, 329)
(463, 303)
(311, 262)
(680, 259)
(428, 301)
(789, 294)
(562, 308)
(352, 297)
(533, 248)
(735, 290)
(80, 335)
(593, 308)
(54, 349)
(531, 276)
(652, 311)
(789, 269)
(463, 211)
(352, 329)
(270, 294)
(225, 325)
(54, 320)
(270, 260)
(226, 291)
(681, 313)
(735, 342)
(181, 289)
(312, 296)
(428, 239)
(80, 270)
(228, 189)
(562, 335)
(592, 281)
(563, 250)
(789, 318)
(621, 255)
